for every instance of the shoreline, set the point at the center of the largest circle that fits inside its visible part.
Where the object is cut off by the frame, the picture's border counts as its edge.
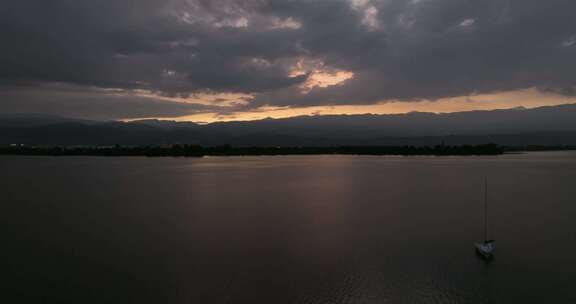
(199, 151)
(223, 151)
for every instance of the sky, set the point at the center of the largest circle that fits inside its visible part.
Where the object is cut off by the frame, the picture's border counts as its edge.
(211, 60)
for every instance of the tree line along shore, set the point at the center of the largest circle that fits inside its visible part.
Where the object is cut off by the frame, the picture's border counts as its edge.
(178, 150)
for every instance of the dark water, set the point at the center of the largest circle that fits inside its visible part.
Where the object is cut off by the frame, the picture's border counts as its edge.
(308, 229)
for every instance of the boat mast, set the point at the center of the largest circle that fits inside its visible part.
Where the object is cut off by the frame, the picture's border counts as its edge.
(486, 209)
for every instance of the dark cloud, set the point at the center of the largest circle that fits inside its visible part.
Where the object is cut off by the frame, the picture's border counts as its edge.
(156, 45)
(90, 103)
(397, 49)
(564, 91)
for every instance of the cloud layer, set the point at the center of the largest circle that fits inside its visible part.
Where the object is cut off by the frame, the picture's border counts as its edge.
(285, 52)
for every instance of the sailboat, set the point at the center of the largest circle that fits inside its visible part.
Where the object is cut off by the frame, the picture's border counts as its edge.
(486, 248)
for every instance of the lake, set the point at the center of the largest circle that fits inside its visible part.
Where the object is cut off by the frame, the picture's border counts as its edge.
(287, 229)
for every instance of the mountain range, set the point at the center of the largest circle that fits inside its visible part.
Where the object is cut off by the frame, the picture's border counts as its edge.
(551, 125)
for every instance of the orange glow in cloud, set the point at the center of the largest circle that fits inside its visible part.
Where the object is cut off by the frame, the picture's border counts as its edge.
(320, 75)
(325, 79)
(529, 98)
(207, 98)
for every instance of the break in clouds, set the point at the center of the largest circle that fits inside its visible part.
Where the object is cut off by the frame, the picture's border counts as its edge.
(130, 58)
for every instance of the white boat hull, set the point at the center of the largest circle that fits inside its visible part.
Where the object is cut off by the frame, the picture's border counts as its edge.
(486, 249)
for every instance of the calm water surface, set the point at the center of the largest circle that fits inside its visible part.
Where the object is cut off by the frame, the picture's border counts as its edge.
(294, 229)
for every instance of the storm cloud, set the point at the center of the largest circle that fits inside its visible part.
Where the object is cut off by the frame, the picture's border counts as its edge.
(282, 51)
(91, 103)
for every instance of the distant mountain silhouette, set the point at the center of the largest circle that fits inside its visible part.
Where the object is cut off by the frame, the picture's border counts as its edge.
(553, 125)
